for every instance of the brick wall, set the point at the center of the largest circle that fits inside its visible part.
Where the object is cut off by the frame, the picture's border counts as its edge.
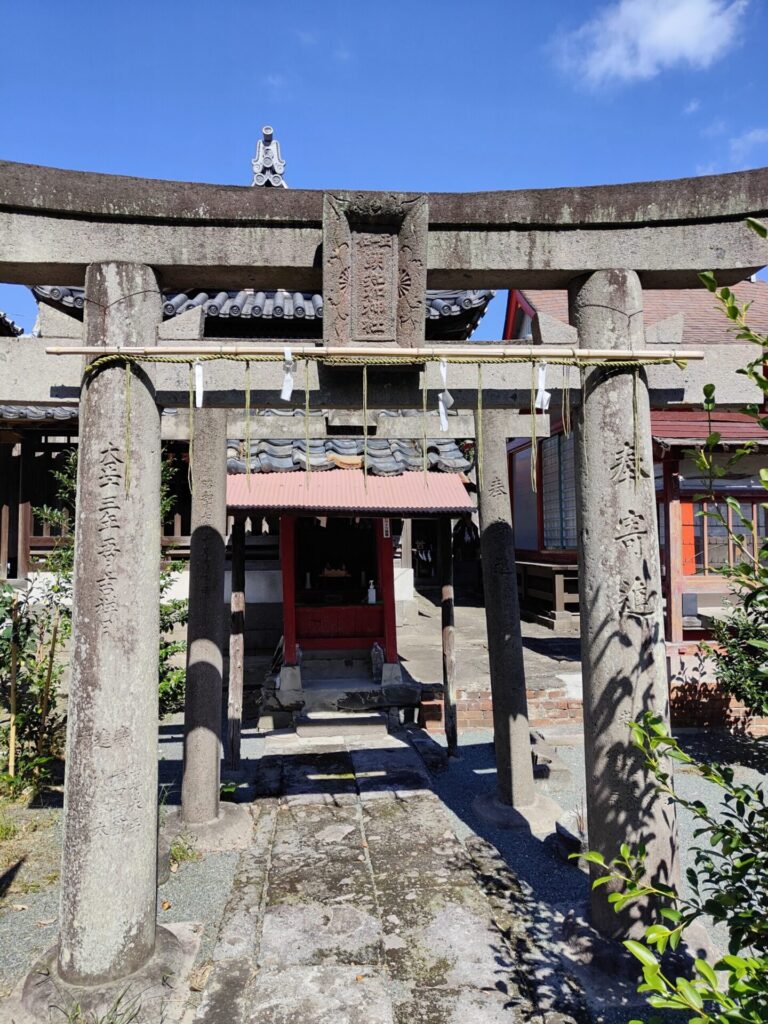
(474, 710)
(695, 702)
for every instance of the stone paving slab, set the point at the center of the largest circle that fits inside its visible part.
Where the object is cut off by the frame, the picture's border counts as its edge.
(445, 938)
(321, 995)
(421, 1005)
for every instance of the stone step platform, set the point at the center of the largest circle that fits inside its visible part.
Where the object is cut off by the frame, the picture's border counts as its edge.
(342, 694)
(338, 723)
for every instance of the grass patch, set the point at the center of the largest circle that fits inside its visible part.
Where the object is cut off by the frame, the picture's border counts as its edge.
(8, 829)
(182, 849)
(122, 1011)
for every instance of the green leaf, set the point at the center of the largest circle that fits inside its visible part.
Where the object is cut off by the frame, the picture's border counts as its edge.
(690, 993)
(706, 972)
(707, 278)
(593, 857)
(641, 952)
(758, 227)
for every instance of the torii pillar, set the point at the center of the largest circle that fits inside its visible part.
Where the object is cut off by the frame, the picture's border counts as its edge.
(515, 804)
(622, 636)
(110, 802)
(210, 822)
(109, 940)
(205, 629)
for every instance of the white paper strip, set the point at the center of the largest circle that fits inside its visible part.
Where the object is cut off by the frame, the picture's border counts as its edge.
(445, 398)
(542, 395)
(288, 368)
(199, 384)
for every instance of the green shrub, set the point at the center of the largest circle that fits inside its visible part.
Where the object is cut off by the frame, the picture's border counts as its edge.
(728, 883)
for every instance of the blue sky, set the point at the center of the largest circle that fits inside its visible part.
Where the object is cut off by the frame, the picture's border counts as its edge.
(405, 95)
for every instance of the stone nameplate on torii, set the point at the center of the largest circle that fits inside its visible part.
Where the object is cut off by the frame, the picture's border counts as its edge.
(374, 268)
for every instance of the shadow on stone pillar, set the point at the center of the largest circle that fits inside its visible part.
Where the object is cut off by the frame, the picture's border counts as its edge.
(210, 823)
(622, 636)
(516, 804)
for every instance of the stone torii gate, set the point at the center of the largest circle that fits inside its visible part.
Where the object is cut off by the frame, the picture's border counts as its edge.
(373, 255)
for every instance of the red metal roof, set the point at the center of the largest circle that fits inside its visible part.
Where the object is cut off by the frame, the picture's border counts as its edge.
(680, 425)
(411, 493)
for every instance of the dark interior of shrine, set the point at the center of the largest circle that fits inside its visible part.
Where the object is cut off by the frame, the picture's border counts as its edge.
(336, 559)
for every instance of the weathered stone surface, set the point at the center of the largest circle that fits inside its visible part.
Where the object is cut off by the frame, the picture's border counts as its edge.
(314, 933)
(239, 931)
(330, 723)
(624, 666)
(226, 999)
(445, 937)
(318, 775)
(205, 628)
(502, 611)
(374, 268)
(230, 830)
(110, 811)
(397, 770)
(323, 995)
(411, 846)
(54, 222)
(442, 1005)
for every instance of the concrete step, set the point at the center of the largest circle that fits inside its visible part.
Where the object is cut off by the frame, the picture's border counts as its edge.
(340, 723)
(336, 668)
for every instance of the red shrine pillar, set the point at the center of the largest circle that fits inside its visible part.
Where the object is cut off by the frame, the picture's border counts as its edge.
(288, 567)
(387, 588)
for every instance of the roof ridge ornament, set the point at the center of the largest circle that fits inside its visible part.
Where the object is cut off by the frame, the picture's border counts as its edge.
(268, 164)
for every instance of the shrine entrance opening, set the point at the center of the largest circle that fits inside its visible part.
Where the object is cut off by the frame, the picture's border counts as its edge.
(342, 599)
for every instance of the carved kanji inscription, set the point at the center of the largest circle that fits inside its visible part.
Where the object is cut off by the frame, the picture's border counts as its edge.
(627, 464)
(374, 301)
(631, 529)
(637, 599)
(108, 518)
(374, 268)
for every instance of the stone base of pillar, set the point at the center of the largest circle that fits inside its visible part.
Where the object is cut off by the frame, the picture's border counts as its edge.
(271, 721)
(391, 672)
(538, 818)
(289, 680)
(231, 830)
(158, 990)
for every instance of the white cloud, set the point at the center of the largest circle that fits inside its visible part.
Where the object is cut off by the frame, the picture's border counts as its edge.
(632, 40)
(691, 107)
(742, 146)
(275, 82)
(714, 129)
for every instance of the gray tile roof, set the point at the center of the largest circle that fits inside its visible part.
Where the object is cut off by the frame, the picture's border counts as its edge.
(9, 329)
(38, 412)
(385, 457)
(255, 304)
